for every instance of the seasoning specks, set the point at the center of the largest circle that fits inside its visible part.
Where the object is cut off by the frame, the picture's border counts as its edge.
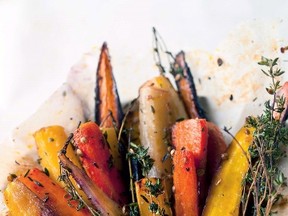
(220, 62)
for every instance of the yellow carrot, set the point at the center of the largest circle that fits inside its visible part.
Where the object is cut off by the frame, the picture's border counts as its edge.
(226, 189)
(23, 202)
(50, 140)
(146, 200)
(111, 138)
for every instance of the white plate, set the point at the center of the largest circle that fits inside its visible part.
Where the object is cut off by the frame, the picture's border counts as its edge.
(40, 41)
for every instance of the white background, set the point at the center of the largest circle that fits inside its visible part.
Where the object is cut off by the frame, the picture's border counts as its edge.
(41, 40)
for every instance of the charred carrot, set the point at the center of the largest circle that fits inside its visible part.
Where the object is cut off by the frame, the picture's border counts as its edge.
(192, 135)
(186, 87)
(98, 162)
(22, 201)
(185, 183)
(98, 198)
(108, 108)
(215, 150)
(52, 194)
(185, 84)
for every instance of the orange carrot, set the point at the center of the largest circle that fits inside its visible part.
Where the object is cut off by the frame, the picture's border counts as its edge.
(215, 149)
(192, 135)
(108, 106)
(98, 162)
(51, 193)
(185, 183)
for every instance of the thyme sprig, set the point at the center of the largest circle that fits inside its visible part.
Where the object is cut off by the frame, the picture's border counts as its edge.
(157, 48)
(264, 180)
(70, 188)
(73, 193)
(137, 154)
(140, 154)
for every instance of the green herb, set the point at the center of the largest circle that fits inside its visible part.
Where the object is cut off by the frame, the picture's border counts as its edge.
(264, 180)
(46, 171)
(154, 189)
(133, 209)
(74, 195)
(141, 155)
(155, 208)
(177, 71)
(157, 48)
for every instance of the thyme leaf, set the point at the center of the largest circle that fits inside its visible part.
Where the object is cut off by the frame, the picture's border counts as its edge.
(141, 155)
(156, 209)
(154, 189)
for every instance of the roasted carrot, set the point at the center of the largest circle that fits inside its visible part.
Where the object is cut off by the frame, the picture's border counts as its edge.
(226, 188)
(98, 162)
(192, 135)
(23, 202)
(216, 147)
(186, 87)
(49, 141)
(98, 198)
(108, 108)
(110, 135)
(55, 197)
(159, 108)
(152, 201)
(185, 183)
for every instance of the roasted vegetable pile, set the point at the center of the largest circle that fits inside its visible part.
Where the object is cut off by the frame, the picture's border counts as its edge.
(160, 156)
